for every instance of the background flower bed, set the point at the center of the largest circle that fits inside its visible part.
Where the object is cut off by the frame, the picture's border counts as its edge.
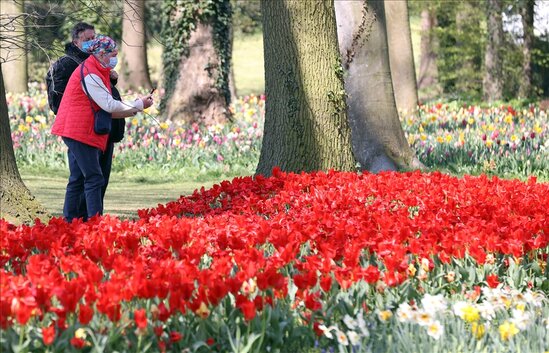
(500, 140)
(391, 262)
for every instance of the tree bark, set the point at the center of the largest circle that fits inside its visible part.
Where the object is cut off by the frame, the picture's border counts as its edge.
(527, 15)
(493, 81)
(306, 128)
(196, 97)
(401, 55)
(428, 84)
(17, 204)
(378, 139)
(13, 53)
(134, 71)
(201, 91)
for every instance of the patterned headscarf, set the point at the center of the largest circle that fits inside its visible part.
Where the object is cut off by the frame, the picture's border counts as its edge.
(102, 44)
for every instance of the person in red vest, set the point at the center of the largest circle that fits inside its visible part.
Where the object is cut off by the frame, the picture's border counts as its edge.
(75, 124)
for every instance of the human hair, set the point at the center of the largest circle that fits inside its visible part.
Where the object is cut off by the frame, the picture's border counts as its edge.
(79, 28)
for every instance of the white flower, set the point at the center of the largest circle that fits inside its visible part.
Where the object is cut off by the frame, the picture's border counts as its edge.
(342, 338)
(349, 322)
(435, 329)
(433, 303)
(423, 318)
(327, 330)
(354, 338)
(521, 319)
(487, 311)
(459, 308)
(404, 313)
(362, 325)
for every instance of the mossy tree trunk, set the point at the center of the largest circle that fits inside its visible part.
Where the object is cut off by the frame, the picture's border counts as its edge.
(134, 69)
(492, 83)
(17, 204)
(401, 55)
(306, 128)
(527, 16)
(197, 63)
(428, 85)
(13, 53)
(378, 139)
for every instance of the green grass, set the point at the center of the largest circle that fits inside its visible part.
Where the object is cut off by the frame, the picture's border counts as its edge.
(248, 64)
(125, 195)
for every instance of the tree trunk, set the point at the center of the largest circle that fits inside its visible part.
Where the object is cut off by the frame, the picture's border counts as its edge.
(527, 15)
(378, 139)
(17, 205)
(232, 84)
(13, 54)
(196, 97)
(428, 84)
(493, 81)
(306, 128)
(134, 71)
(401, 55)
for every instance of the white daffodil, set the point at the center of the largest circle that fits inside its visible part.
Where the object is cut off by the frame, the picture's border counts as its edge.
(433, 303)
(405, 313)
(423, 318)
(521, 319)
(349, 322)
(342, 338)
(362, 325)
(487, 311)
(435, 329)
(327, 331)
(354, 338)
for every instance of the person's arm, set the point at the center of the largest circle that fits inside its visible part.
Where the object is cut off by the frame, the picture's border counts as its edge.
(101, 95)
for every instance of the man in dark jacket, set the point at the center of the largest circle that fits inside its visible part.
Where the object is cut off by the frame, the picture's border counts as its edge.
(57, 79)
(62, 69)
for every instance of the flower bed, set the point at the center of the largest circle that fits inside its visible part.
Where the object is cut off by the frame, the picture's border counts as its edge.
(500, 140)
(309, 262)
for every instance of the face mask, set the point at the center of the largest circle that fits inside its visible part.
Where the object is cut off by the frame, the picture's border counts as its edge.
(86, 45)
(113, 61)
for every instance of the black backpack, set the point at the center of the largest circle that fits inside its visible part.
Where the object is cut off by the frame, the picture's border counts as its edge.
(56, 93)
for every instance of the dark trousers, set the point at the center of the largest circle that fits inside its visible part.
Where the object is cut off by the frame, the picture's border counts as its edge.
(90, 169)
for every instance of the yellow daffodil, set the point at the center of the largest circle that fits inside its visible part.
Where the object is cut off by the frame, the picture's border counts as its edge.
(478, 330)
(507, 330)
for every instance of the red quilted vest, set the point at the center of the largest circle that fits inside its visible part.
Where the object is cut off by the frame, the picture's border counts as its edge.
(75, 117)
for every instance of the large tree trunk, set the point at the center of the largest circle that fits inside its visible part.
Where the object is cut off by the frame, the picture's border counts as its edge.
(134, 71)
(378, 139)
(306, 128)
(200, 92)
(493, 82)
(401, 55)
(17, 205)
(527, 15)
(13, 54)
(428, 84)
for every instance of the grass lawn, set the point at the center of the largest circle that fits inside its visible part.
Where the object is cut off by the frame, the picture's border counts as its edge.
(123, 198)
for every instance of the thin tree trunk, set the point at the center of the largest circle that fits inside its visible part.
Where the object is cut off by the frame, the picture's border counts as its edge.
(378, 139)
(134, 68)
(232, 84)
(401, 55)
(527, 15)
(306, 128)
(428, 84)
(17, 204)
(13, 54)
(493, 82)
